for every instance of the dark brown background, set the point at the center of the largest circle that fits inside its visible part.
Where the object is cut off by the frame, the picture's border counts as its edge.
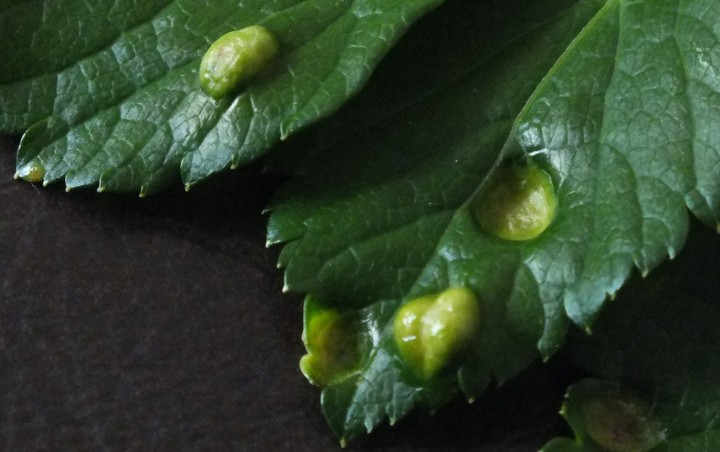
(139, 324)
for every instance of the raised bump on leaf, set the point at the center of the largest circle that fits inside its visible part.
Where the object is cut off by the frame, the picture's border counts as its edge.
(433, 331)
(518, 203)
(32, 172)
(621, 422)
(332, 339)
(235, 58)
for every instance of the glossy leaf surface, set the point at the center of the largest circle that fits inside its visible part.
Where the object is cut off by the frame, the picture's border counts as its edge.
(615, 100)
(108, 90)
(658, 340)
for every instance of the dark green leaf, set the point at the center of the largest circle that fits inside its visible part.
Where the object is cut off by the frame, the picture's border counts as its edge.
(108, 91)
(658, 341)
(615, 100)
(370, 221)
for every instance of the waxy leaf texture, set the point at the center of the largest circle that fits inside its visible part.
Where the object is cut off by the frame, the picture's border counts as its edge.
(659, 341)
(108, 90)
(618, 101)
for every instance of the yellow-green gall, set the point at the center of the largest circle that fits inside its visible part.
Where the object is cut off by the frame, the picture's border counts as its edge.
(517, 203)
(33, 172)
(332, 341)
(621, 422)
(433, 331)
(235, 58)
(408, 331)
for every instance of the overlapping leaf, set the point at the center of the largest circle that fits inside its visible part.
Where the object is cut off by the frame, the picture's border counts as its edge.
(617, 100)
(108, 90)
(658, 341)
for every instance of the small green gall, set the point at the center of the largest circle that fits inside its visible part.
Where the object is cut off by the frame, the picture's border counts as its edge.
(518, 203)
(235, 58)
(433, 331)
(621, 422)
(33, 172)
(408, 331)
(332, 341)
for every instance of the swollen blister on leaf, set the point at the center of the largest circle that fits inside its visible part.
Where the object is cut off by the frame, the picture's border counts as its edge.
(33, 172)
(334, 343)
(612, 417)
(236, 58)
(561, 160)
(517, 203)
(433, 331)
